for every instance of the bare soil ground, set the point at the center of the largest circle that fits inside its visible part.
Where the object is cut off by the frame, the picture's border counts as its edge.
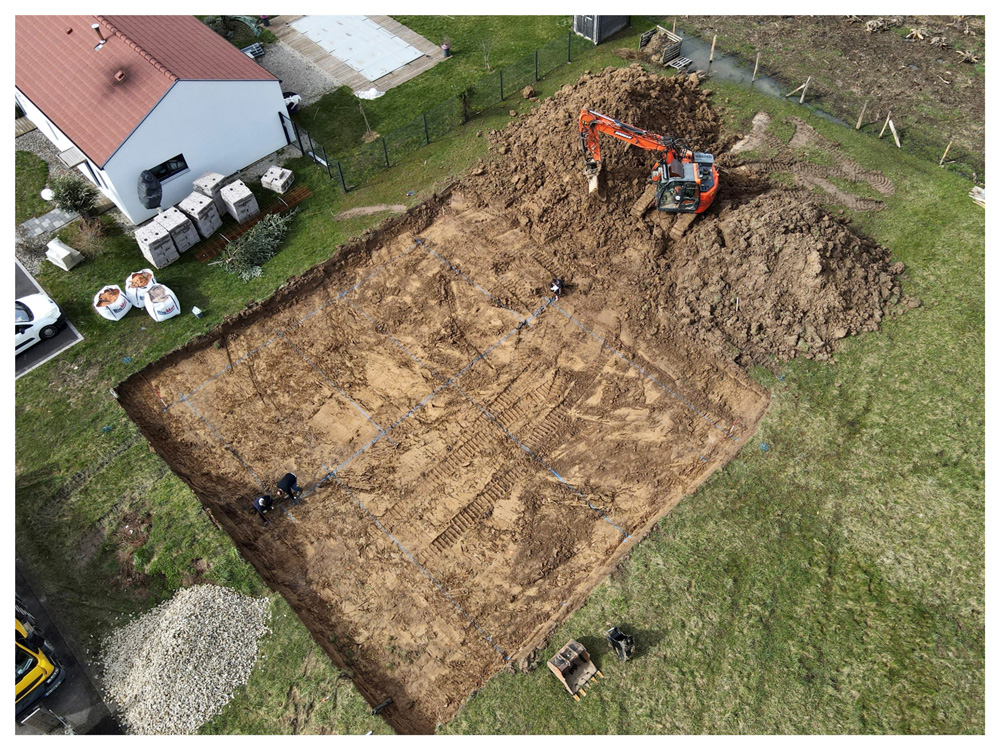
(935, 93)
(476, 455)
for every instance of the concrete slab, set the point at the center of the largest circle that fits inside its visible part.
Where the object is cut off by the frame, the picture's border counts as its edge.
(364, 45)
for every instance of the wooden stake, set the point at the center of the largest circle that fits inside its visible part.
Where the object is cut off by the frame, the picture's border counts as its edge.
(755, 66)
(862, 116)
(795, 90)
(804, 90)
(945, 154)
(892, 127)
(674, 31)
(885, 125)
(711, 54)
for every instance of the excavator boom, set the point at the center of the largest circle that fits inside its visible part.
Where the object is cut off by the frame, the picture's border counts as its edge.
(685, 181)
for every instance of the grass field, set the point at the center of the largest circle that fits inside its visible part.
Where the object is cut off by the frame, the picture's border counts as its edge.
(337, 122)
(833, 583)
(31, 173)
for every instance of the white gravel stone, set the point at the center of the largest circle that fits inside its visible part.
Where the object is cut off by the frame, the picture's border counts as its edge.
(296, 73)
(176, 666)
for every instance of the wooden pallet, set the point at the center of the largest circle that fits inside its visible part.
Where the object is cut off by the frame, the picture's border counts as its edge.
(230, 230)
(681, 63)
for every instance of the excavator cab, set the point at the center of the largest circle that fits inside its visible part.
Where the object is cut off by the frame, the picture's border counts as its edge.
(682, 186)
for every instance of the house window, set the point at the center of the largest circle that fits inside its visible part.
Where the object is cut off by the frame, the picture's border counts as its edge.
(169, 168)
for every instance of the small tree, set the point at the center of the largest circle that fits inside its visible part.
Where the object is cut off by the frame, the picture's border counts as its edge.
(245, 255)
(72, 194)
(486, 46)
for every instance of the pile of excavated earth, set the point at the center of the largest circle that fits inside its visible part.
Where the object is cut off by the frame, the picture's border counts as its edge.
(763, 276)
(177, 665)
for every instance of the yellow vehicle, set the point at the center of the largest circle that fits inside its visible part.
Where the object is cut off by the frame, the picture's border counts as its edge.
(37, 672)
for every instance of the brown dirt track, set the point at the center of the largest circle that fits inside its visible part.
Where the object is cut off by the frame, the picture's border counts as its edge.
(476, 456)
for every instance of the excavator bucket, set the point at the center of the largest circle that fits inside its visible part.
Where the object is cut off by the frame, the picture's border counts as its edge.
(597, 182)
(573, 667)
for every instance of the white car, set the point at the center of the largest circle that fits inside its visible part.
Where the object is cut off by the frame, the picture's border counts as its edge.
(36, 318)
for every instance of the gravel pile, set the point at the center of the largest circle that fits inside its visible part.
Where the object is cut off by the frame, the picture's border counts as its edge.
(176, 666)
(296, 73)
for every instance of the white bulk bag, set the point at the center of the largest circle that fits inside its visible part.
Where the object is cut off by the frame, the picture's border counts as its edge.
(161, 303)
(137, 284)
(111, 302)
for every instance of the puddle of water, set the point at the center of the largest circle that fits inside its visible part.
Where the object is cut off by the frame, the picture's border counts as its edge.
(728, 68)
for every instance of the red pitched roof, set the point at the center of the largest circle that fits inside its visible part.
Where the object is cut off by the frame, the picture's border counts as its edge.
(74, 85)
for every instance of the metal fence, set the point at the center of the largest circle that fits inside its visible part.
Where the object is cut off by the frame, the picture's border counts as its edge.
(368, 159)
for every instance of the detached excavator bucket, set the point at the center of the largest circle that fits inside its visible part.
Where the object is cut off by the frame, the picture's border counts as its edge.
(573, 667)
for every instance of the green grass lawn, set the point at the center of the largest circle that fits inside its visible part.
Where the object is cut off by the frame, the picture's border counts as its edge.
(30, 175)
(831, 584)
(336, 120)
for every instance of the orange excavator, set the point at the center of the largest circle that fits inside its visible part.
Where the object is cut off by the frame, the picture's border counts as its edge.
(683, 181)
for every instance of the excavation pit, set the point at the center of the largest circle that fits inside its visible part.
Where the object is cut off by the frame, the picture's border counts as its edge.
(476, 455)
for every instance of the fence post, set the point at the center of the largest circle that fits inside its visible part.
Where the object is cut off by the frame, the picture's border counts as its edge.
(385, 150)
(569, 46)
(861, 116)
(502, 97)
(326, 161)
(536, 66)
(711, 55)
(427, 136)
(340, 171)
(755, 66)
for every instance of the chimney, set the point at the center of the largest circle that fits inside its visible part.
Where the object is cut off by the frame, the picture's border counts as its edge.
(120, 76)
(97, 30)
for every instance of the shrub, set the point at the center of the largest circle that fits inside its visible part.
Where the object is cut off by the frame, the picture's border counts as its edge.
(72, 194)
(245, 255)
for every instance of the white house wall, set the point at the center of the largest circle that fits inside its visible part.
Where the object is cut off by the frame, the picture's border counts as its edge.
(218, 126)
(44, 125)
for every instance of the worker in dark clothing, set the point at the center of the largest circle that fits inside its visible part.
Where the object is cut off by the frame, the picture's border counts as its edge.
(288, 487)
(556, 287)
(262, 505)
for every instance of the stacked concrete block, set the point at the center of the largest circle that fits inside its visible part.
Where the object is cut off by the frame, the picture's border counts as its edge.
(156, 244)
(202, 211)
(210, 184)
(240, 202)
(62, 255)
(180, 227)
(277, 179)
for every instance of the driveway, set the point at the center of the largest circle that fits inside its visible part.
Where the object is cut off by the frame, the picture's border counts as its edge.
(43, 351)
(76, 701)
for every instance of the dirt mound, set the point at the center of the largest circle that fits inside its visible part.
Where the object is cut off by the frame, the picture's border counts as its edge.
(776, 279)
(537, 177)
(803, 279)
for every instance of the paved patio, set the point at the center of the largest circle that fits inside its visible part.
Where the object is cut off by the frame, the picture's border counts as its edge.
(431, 54)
